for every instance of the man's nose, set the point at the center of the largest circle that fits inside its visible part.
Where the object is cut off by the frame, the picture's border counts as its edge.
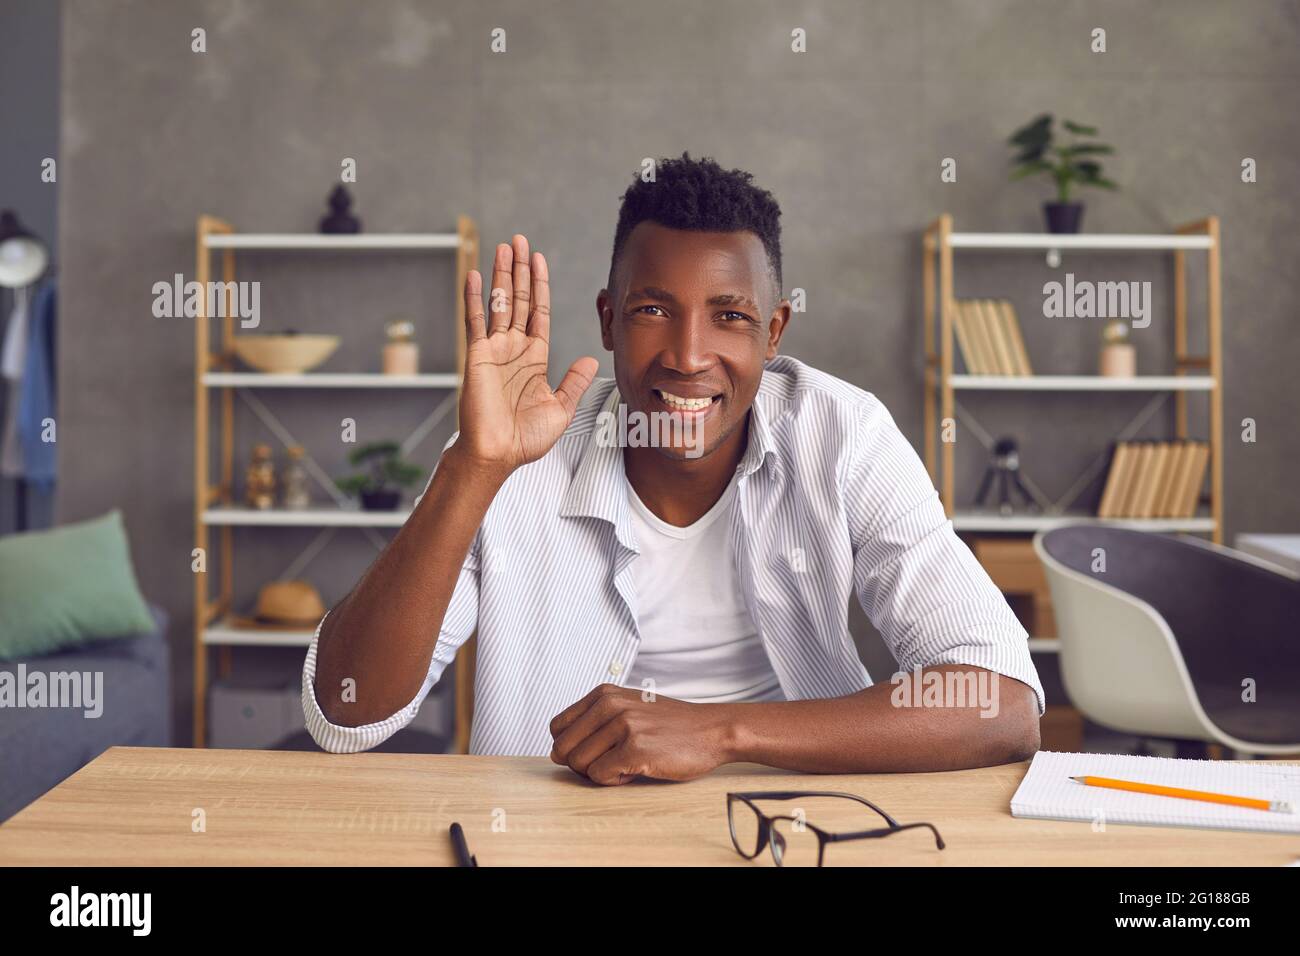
(687, 351)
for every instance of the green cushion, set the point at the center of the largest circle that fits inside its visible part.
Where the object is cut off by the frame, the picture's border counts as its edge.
(68, 586)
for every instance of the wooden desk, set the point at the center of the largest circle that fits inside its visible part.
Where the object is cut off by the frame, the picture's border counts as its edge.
(133, 806)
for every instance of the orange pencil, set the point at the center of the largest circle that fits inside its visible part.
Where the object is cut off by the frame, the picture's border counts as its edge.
(1280, 806)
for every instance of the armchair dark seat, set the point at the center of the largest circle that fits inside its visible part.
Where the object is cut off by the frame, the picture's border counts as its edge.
(1166, 640)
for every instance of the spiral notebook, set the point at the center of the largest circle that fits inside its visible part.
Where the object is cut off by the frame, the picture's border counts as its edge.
(1048, 793)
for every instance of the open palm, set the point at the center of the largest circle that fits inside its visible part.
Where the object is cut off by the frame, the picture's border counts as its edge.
(509, 415)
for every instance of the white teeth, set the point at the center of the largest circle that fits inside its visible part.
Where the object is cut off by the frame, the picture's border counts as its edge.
(684, 404)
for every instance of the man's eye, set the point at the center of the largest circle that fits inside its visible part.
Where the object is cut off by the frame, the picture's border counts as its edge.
(658, 311)
(737, 315)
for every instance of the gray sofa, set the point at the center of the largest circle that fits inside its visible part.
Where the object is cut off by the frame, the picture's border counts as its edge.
(40, 747)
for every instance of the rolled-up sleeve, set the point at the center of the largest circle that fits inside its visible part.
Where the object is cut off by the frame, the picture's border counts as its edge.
(917, 581)
(458, 624)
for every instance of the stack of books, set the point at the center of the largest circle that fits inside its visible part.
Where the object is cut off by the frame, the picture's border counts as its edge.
(989, 337)
(1155, 479)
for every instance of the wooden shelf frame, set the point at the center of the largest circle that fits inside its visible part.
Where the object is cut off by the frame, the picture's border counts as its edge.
(215, 511)
(939, 240)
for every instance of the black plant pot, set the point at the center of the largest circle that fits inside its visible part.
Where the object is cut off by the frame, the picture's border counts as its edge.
(386, 500)
(1063, 216)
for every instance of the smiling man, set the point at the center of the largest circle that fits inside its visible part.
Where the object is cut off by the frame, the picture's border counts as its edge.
(658, 608)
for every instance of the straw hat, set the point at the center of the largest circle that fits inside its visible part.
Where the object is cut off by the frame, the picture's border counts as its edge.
(292, 604)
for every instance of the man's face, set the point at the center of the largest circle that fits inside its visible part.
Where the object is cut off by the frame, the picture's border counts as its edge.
(691, 320)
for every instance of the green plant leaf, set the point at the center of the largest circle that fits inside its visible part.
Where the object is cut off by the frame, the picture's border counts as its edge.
(1037, 132)
(1079, 129)
(378, 449)
(1030, 155)
(353, 484)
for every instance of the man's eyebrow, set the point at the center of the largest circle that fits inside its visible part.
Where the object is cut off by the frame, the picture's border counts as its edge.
(732, 298)
(652, 292)
(721, 299)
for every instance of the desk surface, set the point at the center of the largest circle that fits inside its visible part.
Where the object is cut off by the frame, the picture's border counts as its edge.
(134, 806)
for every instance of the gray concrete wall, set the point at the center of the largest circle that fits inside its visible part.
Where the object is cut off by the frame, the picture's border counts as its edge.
(543, 138)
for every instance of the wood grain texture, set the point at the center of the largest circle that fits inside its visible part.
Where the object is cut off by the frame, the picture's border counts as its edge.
(133, 806)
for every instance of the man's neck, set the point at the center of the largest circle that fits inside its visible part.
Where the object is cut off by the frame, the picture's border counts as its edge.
(680, 491)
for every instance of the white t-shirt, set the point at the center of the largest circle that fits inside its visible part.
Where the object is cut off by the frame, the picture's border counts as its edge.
(698, 641)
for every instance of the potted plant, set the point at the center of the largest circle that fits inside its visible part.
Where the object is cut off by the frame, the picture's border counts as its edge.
(380, 486)
(1070, 164)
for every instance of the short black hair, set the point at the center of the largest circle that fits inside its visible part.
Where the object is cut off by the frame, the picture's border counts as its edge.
(700, 195)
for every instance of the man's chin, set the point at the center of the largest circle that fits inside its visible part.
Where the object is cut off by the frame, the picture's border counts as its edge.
(685, 454)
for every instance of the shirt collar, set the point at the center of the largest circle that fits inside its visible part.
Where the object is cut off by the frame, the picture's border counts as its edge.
(599, 485)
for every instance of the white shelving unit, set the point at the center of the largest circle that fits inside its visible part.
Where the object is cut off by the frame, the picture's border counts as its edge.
(1095, 242)
(1193, 373)
(235, 516)
(307, 241)
(1082, 383)
(225, 633)
(330, 380)
(216, 381)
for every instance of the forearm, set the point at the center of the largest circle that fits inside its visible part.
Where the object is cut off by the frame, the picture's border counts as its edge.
(382, 635)
(867, 732)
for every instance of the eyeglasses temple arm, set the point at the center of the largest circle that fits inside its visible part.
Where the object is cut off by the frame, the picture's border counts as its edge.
(875, 834)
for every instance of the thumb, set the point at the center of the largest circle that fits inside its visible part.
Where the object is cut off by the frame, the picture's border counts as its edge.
(575, 382)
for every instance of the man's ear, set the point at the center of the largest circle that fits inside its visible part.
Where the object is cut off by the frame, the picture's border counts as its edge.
(776, 327)
(605, 311)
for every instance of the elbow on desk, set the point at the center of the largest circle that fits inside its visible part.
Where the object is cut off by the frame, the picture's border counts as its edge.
(1019, 736)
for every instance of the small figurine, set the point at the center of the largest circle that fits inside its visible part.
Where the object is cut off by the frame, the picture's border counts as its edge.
(259, 480)
(401, 354)
(340, 220)
(1118, 356)
(1005, 469)
(294, 481)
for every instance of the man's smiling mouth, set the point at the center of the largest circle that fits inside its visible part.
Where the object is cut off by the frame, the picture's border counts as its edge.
(682, 403)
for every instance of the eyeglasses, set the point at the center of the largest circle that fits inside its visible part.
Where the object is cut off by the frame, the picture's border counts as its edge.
(794, 841)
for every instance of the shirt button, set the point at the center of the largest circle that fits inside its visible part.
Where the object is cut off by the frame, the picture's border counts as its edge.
(615, 668)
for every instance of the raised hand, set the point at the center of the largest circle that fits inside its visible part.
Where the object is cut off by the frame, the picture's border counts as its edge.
(509, 415)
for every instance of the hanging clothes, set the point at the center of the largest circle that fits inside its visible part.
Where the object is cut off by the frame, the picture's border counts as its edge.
(13, 361)
(37, 395)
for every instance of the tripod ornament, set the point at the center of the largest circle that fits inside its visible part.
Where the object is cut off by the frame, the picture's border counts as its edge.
(1004, 470)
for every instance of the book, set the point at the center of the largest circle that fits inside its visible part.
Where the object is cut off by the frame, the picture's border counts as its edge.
(964, 342)
(1133, 491)
(1167, 503)
(1192, 490)
(979, 336)
(1155, 484)
(1119, 466)
(1048, 793)
(1018, 351)
(1004, 362)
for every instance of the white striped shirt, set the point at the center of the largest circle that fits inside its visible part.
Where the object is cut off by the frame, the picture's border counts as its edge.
(830, 499)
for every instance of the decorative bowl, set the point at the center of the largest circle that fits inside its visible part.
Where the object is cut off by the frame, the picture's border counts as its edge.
(284, 352)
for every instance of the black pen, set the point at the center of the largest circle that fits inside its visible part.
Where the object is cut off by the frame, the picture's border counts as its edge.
(460, 847)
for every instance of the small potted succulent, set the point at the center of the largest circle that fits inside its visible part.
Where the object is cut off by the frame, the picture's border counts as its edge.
(1071, 164)
(380, 486)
